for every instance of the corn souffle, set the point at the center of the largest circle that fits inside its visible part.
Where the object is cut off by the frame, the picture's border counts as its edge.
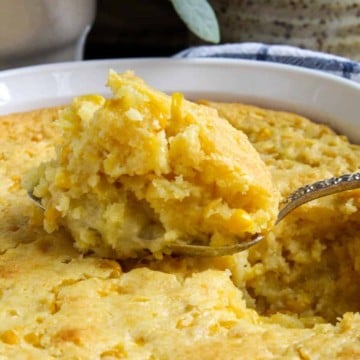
(295, 295)
(142, 170)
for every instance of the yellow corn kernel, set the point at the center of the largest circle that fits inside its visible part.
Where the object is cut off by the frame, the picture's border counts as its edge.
(52, 214)
(159, 113)
(264, 134)
(240, 221)
(9, 337)
(177, 100)
(33, 339)
(63, 180)
(16, 183)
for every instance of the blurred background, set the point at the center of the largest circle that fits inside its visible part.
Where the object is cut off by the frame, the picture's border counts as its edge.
(136, 28)
(44, 31)
(152, 28)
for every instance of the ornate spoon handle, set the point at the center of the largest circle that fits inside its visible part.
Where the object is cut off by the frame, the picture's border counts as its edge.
(318, 190)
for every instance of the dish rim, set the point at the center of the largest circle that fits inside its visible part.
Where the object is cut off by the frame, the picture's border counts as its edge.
(198, 61)
(308, 92)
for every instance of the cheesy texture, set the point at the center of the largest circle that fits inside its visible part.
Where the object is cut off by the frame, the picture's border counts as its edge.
(144, 170)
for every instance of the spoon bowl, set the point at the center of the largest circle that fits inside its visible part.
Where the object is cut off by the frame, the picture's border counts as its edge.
(299, 197)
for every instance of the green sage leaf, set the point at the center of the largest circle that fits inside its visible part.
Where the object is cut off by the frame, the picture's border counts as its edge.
(199, 17)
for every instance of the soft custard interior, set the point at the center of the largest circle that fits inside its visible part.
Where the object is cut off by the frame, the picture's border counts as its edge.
(142, 170)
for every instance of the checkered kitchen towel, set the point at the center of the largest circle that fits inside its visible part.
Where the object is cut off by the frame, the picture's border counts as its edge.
(280, 54)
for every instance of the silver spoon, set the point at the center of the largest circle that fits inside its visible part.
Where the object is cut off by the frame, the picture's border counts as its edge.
(299, 197)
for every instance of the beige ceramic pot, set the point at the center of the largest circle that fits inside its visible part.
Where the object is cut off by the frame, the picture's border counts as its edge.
(329, 26)
(43, 31)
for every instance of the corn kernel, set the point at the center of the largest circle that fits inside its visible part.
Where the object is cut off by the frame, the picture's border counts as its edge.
(9, 337)
(177, 100)
(240, 221)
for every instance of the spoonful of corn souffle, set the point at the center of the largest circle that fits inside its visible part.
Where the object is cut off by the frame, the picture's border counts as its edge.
(144, 172)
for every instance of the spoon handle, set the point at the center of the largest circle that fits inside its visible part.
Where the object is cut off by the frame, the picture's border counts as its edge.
(317, 190)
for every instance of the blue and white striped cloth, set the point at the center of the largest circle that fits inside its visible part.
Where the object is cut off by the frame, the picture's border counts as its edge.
(280, 54)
